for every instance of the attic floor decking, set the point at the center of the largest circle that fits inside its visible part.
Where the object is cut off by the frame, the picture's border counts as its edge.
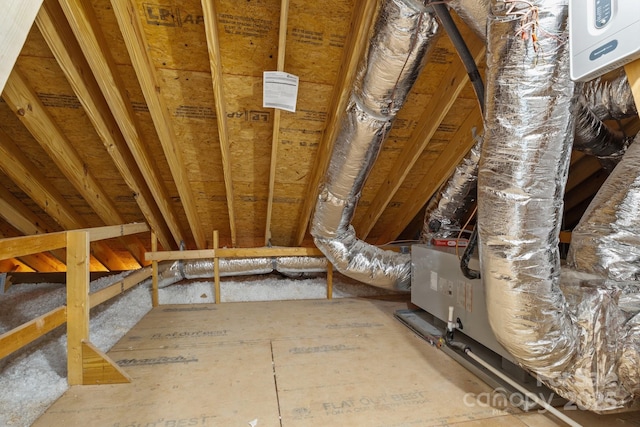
(344, 362)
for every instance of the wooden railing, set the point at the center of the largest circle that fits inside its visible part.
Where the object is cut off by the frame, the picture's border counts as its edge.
(216, 253)
(86, 364)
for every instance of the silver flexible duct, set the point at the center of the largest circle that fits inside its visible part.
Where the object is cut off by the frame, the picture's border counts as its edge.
(606, 242)
(610, 99)
(443, 218)
(592, 136)
(396, 55)
(203, 269)
(474, 13)
(521, 181)
(570, 337)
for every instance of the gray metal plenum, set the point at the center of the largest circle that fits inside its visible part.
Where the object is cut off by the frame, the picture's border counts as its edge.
(402, 35)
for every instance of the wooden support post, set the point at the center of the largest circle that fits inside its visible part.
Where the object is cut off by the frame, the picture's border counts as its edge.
(329, 280)
(77, 302)
(85, 363)
(216, 267)
(154, 271)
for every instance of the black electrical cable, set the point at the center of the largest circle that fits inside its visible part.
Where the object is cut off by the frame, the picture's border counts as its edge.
(463, 51)
(469, 63)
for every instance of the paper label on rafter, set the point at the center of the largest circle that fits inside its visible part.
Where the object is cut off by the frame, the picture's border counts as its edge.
(280, 90)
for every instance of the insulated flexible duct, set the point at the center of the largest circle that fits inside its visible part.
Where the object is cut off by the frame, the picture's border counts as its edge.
(595, 138)
(600, 99)
(474, 13)
(570, 338)
(203, 269)
(396, 55)
(521, 181)
(443, 217)
(610, 99)
(606, 242)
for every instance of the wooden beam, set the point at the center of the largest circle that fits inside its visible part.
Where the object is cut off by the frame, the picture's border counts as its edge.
(32, 181)
(15, 23)
(18, 215)
(58, 35)
(580, 171)
(30, 331)
(275, 140)
(85, 27)
(232, 253)
(454, 80)
(14, 247)
(154, 272)
(437, 174)
(213, 45)
(633, 75)
(119, 287)
(358, 39)
(77, 302)
(24, 102)
(216, 268)
(135, 40)
(41, 262)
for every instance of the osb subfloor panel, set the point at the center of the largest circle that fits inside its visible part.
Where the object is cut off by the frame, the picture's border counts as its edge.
(344, 362)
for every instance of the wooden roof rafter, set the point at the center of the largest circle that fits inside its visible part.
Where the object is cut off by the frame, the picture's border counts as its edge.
(355, 46)
(25, 103)
(213, 47)
(60, 39)
(15, 23)
(20, 217)
(28, 177)
(454, 80)
(275, 141)
(40, 262)
(437, 174)
(135, 40)
(86, 30)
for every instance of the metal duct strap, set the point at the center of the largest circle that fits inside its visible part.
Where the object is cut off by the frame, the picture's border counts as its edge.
(394, 59)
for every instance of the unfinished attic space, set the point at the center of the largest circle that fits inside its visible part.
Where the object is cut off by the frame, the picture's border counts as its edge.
(311, 213)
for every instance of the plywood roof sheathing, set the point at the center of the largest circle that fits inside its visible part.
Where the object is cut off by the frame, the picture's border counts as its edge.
(86, 29)
(57, 33)
(33, 182)
(442, 168)
(355, 46)
(137, 46)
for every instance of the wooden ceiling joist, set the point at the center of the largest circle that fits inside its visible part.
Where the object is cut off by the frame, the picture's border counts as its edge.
(136, 43)
(57, 33)
(86, 30)
(15, 23)
(275, 141)
(440, 171)
(25, 103)
(33, 182)
(356, 44)
(213, 47)
(451, 85)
